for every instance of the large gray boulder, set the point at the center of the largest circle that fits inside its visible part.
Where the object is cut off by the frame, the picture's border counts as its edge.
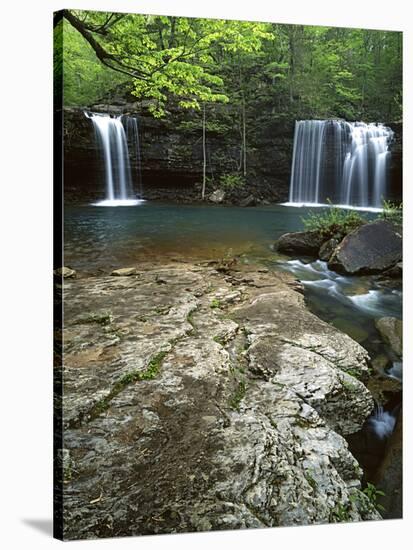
(371, 248)
(300, 242)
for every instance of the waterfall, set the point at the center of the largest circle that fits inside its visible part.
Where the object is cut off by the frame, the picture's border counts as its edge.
(115, 142)
(382, 422)
(342, 162)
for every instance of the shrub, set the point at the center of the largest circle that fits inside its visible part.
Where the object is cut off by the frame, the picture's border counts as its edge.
(332, 221)
(392, 212)
(231, 181)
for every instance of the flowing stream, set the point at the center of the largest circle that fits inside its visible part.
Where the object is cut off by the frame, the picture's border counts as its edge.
(342, 162)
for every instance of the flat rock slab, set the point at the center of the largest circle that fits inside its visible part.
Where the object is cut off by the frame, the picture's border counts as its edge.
(184, 415)
(372, 248)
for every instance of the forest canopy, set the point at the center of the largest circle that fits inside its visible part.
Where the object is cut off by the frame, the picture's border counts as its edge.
(300, 71)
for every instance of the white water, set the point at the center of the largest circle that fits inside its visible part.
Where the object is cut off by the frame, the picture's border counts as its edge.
(396, 370)
(113, 141)
(342, 162)
(382, 422)
(375, 302)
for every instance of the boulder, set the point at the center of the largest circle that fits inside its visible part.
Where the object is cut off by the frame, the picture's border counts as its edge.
(65, 272)
(327, 249)
(217, 196)
(371, 248)
(124, 272)
(248, 201)
(391, 330)
(300, 242)
(395, 272)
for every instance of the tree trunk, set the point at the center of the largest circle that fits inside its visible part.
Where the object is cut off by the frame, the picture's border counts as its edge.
(244, 136)
(204, 152)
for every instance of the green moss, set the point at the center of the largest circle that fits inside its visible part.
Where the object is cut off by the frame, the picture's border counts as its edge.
(238, 395)
(311, 481)
(219, 340)
(149, 373)
(348, 385)
(190, 320)
(354, 373)
(215, 303)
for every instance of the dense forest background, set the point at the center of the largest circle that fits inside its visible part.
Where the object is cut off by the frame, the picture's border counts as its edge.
(296, 71)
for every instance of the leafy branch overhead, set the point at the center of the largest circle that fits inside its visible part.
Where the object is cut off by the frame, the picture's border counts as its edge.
(297, 71)
(167, 55)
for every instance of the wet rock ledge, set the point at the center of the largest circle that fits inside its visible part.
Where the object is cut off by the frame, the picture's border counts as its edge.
(202, 397)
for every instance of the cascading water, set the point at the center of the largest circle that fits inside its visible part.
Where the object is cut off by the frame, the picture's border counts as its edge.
(114, 142)
(342, 162)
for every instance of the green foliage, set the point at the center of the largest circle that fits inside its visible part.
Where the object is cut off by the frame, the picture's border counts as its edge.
(238, 395)
(340, 513)
(372, 494)
(299, 71)
(392, 212)
(215, 303)
(231, 181)
(333, 220)
(85, 80)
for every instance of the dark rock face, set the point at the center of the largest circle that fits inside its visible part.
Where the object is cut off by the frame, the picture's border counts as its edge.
(171, 155)
(372, 248)
(300, 242)
(327, 249)
(248, 201)
(389, 478)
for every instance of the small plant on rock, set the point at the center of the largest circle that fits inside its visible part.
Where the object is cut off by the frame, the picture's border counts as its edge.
(231, 181)
(372, 494)
(333, 221)
(392, 212)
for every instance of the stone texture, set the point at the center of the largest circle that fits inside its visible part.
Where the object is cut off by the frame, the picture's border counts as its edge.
(248, 201)
(124, 272)
(391, 330)
(65, 272)
(181, 417)
(327, 249)
(171, 154)
(217, 196)
(371, 248)
(300, 242)
(389, 477)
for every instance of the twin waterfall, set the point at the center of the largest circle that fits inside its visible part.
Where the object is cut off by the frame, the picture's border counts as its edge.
(116, 137)
(342, 162)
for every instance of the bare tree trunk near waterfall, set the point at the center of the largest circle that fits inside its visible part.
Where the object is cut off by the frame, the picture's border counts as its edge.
(244, 136)
(204, 152)
(243, 129)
